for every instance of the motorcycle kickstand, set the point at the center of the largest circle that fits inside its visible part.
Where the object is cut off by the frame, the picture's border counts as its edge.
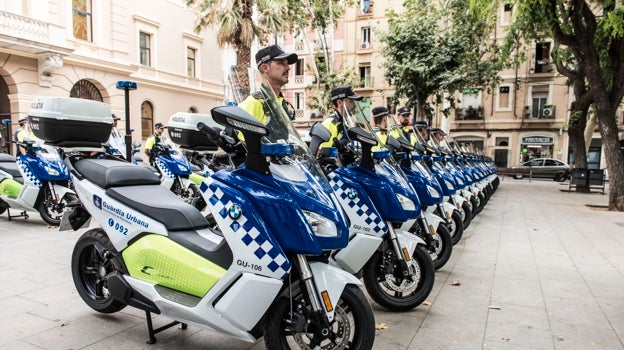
(152, 332)
(23, 214)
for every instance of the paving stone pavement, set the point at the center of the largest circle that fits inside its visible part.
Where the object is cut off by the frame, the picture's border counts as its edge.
(537, 269)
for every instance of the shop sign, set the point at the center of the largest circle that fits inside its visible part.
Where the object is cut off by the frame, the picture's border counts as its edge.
(537, 140)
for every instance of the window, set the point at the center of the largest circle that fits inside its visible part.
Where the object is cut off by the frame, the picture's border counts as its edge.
(507, 14)
(365, 76)
(541, 63)
(299, 67)
(86, 90)
(147, 119)
(81, 19)
(504, 99)
(144, 49)
(539, 98)
(190, 62)
(299, 100)
(365, 6)
(366, 38)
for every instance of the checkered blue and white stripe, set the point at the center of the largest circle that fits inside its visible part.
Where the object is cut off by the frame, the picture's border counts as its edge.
(164, 169)
(252, 245)
(360, 214)
(29, 177)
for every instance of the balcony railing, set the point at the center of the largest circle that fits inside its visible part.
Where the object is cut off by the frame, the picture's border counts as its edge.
(469, 113)
(29, 29)
(365, 83)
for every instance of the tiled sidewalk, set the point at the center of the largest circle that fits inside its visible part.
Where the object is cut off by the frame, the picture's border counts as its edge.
(537, 269)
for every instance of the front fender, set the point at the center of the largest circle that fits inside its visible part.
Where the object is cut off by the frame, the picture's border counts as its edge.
(332, 280)
(448, 209)
(409, 240)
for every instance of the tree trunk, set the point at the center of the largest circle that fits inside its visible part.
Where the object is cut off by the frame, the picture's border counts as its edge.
(576, 135)
(607, 122)
(242, 68)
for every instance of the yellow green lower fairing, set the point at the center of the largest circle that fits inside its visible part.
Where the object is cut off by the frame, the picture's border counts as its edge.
(196, 178)
(10, 188)
(159, 260)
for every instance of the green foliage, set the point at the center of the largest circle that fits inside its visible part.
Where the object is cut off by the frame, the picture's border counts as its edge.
(433, 51)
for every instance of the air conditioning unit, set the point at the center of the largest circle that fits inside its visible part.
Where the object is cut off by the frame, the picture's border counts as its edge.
(548, 112)
(365, 46)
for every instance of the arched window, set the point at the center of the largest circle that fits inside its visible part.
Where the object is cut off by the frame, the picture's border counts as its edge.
(147, 119)
(86, 90)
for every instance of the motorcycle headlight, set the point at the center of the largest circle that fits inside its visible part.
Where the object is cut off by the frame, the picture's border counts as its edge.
(449, 185)
(460, 181)
(433, 192)
(321, 226)
(51, 171)
(182, 167)
(406, 203)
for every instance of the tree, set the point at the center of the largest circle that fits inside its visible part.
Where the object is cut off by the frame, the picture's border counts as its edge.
(236, 27)
(593, 32)
(433, 50)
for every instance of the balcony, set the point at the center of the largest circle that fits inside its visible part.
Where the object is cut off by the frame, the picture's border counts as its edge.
(365, 83)
(26, 34)
(469, 114)
(538, 113)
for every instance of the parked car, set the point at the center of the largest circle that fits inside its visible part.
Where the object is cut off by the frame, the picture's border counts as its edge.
(545, 167)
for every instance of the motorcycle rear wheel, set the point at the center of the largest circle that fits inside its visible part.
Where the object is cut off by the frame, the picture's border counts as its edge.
(381, 284)
(89, 270)
(353, 326)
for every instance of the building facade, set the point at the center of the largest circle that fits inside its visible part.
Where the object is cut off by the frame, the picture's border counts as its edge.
(524, 117)
(82, 48)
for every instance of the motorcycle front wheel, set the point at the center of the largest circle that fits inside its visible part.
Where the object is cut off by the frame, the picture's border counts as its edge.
(444, 246)
(290, 324)
(52, 211)
(393, 291)
(90, 267)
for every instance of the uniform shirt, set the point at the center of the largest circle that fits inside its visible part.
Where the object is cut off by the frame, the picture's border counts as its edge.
(22, 134)
(333, 123)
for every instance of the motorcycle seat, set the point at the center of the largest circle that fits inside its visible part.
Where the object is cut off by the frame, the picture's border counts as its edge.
(10, 166)
(160, 204)
(108, 173)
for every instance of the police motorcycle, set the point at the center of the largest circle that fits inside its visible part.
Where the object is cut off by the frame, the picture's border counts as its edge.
(395, 265)
(451, 188)
(35, 181)
(175, 171)
(463, 175)
(258, 272)
(435, 208)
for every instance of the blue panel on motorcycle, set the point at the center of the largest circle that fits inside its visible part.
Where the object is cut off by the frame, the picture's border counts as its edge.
(437, 158)
(277, 149)
(381, 154)
(235, 212)
(417, 157)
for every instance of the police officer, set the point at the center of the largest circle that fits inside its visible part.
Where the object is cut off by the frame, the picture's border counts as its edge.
(274, 65)
(405, 117)
(153, 140)
(343, 99)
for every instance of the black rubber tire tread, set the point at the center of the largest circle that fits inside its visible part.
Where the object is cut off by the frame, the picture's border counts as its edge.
(352, 300)
(86, 264)
(447, 246)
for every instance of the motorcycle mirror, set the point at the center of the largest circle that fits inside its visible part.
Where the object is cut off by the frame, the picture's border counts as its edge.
(319, 134)
(136, 144)
(362, 136)
(238, 119)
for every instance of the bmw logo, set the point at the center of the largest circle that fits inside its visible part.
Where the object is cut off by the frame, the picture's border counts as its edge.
(235, 212)
(351, 193)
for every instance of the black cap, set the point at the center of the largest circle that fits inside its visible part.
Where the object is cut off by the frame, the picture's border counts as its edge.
(380, 111)
(23, 120)
(344, 92)
(420, 124)
(115, 117)
(437, 131)
(274, 52)
(404, 110)
(159, 126)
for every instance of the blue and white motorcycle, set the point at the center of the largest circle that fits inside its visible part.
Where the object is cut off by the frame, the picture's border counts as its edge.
(35, 181)
(257, 269)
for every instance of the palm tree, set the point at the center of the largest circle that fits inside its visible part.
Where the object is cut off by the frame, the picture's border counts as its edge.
(235, 25)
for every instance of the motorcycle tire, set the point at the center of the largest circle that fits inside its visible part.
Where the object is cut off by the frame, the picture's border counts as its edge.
(467, 215)
(482, 201)
(50, 211)
(475, 206)
(444, 246)
(381, 284)
(3, 206)
(89, 270)
(353, 326)
(456, 227)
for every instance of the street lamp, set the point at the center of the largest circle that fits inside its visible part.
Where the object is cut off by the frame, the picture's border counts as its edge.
(127, 86)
